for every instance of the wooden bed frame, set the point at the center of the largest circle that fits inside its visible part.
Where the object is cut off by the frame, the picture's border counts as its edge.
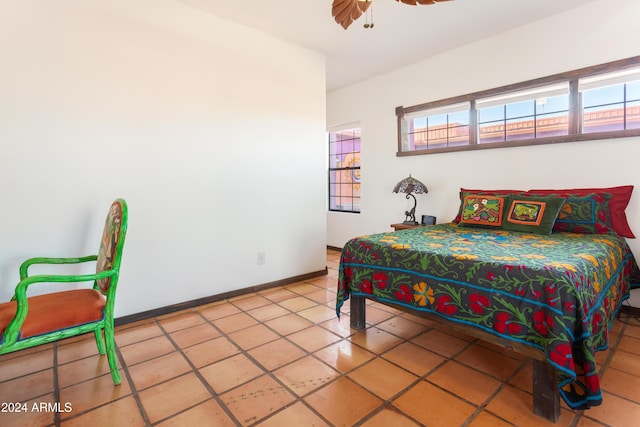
(546, 399)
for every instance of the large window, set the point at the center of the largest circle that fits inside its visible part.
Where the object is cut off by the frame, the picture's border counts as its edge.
(344, 169)
(592, 103)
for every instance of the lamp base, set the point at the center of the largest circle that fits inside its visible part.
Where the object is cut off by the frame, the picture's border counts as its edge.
(410, 222)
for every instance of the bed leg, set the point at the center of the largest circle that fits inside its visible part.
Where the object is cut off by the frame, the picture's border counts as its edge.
(546, 399)
(358, 312)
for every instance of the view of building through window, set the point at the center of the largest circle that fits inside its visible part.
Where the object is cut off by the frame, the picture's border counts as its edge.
(344, 170)
(439, 127)
(611, 108)
(533, 114)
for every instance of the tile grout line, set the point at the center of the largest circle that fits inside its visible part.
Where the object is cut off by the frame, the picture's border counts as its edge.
(196, 371)
(503, 384)
(134, 392)
(132, 387)
(269, 372)
(301, 399)
(56, 385)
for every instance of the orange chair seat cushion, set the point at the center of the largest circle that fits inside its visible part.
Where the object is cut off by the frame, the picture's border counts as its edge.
(55, 311)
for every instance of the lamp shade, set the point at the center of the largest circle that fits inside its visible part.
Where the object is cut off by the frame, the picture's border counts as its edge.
(410, 185)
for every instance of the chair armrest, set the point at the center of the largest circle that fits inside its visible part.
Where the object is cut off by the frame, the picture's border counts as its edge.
(21, 288)
(20, 295)
(24, 267)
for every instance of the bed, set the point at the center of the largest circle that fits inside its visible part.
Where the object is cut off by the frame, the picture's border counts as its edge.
(552, 297)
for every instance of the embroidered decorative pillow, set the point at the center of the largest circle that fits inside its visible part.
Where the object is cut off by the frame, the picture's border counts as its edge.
(478, 210)
(588, 214)
(532, 214)
(618, 200)
(499, 193)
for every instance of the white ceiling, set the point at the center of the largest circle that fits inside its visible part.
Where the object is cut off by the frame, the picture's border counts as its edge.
(402, 34)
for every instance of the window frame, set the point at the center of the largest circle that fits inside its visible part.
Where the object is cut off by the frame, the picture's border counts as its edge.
(575, 111)
(334, 129)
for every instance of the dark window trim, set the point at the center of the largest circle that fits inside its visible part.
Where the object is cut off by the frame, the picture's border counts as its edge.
(575, 116)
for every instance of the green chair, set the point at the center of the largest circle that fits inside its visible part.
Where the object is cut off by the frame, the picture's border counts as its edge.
(30, 321)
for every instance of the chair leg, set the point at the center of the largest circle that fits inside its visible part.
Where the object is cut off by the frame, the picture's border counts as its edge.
(111, 353)
(99, 340)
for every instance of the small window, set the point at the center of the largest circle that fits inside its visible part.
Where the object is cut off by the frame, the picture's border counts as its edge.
(437, 128)
(530, 114)
(344, 170)
(611, 102)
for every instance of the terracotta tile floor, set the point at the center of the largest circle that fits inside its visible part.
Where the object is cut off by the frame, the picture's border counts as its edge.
(282, 358)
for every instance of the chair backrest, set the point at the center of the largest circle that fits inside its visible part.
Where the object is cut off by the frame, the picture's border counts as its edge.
(110, 253)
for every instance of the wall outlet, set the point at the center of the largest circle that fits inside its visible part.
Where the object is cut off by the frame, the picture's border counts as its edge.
(261, 258)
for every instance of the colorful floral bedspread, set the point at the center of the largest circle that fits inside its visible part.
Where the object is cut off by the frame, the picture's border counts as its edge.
(556, 293)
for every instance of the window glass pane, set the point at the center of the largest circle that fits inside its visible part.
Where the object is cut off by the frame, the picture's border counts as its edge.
(603, 118)
(458, 135)
(356, 151)
(552, 124)
(552, 116)
(602, 96)
(419, 122)
(491, 132)
(437, 131)
(345, 189)
(491, 124)
(460, 118)
(437, 120)
(333, 203)
(521, 128)
(420, 140)
(552, 104)
(490, 114)
(334, 161)
(633, 91)
(633, 105)
(333, 147)
(520, 109)
(633, 115)
(347, 146)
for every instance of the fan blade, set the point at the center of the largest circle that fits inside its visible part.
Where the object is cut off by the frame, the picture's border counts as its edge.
(347, 11)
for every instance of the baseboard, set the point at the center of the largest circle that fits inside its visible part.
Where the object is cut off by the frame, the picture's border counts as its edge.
(334, 248)
(214, 298)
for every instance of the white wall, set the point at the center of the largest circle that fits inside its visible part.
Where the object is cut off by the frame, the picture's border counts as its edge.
(213, 133)
(598, 32)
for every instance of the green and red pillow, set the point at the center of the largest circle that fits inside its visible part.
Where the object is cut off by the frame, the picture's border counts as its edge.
(498, 193)
(532, 214)
(609, 204)
(478, 210)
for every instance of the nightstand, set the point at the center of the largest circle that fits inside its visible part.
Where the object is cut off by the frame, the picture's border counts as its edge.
(401, 226)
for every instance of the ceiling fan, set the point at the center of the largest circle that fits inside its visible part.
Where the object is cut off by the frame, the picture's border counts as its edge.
(347, 11)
